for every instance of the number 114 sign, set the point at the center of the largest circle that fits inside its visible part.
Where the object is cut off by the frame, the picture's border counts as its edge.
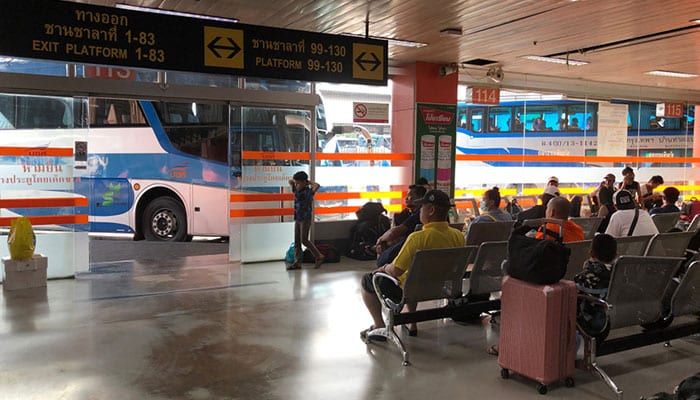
(486, 95)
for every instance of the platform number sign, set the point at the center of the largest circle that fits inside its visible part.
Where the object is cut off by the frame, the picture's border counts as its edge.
(669, 110)
(486, 95)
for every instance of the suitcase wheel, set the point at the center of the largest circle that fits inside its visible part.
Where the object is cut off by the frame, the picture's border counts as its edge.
(569, 382)
(541, 389)
(505, 374)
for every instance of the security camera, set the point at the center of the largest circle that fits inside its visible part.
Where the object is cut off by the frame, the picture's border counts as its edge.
(448, 69)
(495, 74)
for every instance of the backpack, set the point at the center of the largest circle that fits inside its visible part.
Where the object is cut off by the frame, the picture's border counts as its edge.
(538, 261)
(371, 224)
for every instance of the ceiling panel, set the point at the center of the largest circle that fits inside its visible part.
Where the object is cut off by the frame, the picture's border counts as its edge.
(621, 39)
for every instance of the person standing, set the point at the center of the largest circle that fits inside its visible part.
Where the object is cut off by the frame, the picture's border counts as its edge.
(304, 191)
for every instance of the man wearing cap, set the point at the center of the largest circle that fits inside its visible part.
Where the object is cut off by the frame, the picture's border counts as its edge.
(553, 181)
(621, 223)
(540, 210)
(436, 233)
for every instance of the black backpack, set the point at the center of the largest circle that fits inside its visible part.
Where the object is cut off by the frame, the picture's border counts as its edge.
(538, 261)
(372, 222)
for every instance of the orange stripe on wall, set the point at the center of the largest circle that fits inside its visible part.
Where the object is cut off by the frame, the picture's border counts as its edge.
(49, 220)
(44, 202)
(320, 196)
(581, 159)
(364, 156)
(37, 151)
(280, 155)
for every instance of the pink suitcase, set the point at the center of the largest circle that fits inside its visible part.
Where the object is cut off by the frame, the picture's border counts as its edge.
(538, 331)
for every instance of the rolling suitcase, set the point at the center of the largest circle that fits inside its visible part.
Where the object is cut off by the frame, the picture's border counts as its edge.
(538, 331)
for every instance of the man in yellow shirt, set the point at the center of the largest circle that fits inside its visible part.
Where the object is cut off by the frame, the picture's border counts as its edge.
(436, 234)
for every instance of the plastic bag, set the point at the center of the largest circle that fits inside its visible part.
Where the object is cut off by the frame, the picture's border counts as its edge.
(289, 257)
(21, 239)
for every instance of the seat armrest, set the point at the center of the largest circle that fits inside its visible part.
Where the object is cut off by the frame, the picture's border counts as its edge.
(396, 307)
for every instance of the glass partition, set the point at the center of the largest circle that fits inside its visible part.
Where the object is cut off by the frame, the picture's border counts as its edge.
(579, 141)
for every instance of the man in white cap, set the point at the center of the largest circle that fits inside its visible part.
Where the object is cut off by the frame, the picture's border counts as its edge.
(553, 181)
(629, 220)
(540, 210)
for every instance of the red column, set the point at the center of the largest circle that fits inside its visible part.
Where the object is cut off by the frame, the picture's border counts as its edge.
(416, 83)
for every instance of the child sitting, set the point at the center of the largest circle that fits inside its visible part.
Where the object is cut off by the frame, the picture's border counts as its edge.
(594, 281)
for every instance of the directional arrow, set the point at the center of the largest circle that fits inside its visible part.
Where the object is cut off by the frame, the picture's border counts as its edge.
(214, 46)
(373, 62)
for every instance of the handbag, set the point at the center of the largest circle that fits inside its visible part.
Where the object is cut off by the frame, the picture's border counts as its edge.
(538, 261)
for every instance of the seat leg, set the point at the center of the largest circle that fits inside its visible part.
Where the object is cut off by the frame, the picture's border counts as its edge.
(389, 333)
(591, 364)
(602, 375)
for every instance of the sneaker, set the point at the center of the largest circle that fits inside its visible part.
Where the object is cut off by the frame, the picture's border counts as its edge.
(293, 266)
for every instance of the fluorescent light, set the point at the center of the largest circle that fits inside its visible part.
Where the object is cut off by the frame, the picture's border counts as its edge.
(176, 13)
(564, 61)
(393, 42)
(671, 74)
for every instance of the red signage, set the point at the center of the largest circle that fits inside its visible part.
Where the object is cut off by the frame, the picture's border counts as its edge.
(670, 110)
(486, 95)
(109, 73)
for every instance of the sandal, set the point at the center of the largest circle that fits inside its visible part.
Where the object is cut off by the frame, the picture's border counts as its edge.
(319, 261)
(364, 335)
(411, 332)
(492, 350)
(293, 266)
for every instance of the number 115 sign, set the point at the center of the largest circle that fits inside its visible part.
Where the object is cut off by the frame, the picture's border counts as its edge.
(486, 95)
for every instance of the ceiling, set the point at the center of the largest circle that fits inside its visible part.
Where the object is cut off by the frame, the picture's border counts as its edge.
(620, 39)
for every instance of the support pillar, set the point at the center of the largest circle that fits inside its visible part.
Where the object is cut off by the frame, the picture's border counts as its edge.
(424, 107)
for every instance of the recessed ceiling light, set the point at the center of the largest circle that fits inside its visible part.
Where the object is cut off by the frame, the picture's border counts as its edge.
(671, 74)
(555, 60)
(176, 13)
(393, 42)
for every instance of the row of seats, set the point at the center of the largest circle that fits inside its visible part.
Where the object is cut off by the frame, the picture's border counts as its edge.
(440, 274)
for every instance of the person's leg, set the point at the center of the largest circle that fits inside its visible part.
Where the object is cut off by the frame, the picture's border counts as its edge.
(305, 228)
(412, 327)
(298, 255)
(369, 297)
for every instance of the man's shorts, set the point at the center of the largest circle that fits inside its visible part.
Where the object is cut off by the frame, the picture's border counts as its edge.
(388, 287)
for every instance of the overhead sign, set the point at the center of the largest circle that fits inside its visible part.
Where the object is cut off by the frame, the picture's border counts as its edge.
(669, 110)
(82, 33)
(376, 113)
(486, 95)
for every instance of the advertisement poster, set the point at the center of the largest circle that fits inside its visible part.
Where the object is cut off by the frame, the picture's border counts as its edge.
(612, 130)
(435, 145)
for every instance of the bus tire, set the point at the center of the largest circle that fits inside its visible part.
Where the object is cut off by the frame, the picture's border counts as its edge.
(164, 220)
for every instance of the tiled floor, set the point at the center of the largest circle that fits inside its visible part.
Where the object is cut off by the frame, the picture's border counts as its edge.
(202, 328)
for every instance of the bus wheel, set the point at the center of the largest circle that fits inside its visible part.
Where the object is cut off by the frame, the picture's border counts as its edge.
(164, 220)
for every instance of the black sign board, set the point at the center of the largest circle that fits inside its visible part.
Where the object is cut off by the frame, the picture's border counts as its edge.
(74, 32)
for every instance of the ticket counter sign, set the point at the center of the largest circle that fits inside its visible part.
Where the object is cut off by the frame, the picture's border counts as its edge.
(82, 33)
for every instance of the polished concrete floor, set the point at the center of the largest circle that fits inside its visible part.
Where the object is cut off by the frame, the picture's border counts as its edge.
(160, 327)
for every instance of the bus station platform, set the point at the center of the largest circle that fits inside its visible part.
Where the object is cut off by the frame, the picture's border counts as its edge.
(159, 324)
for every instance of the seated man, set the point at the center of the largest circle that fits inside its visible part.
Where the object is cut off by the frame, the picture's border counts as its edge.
(389, 244)
(538, 211)
(670, 196)
(559, 208)
(621, 222)
(436, 233)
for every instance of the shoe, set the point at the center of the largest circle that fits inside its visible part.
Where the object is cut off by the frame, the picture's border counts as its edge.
(411, 332)
(319, 261)
(377, 338)
(293, 266)
(493, 350)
